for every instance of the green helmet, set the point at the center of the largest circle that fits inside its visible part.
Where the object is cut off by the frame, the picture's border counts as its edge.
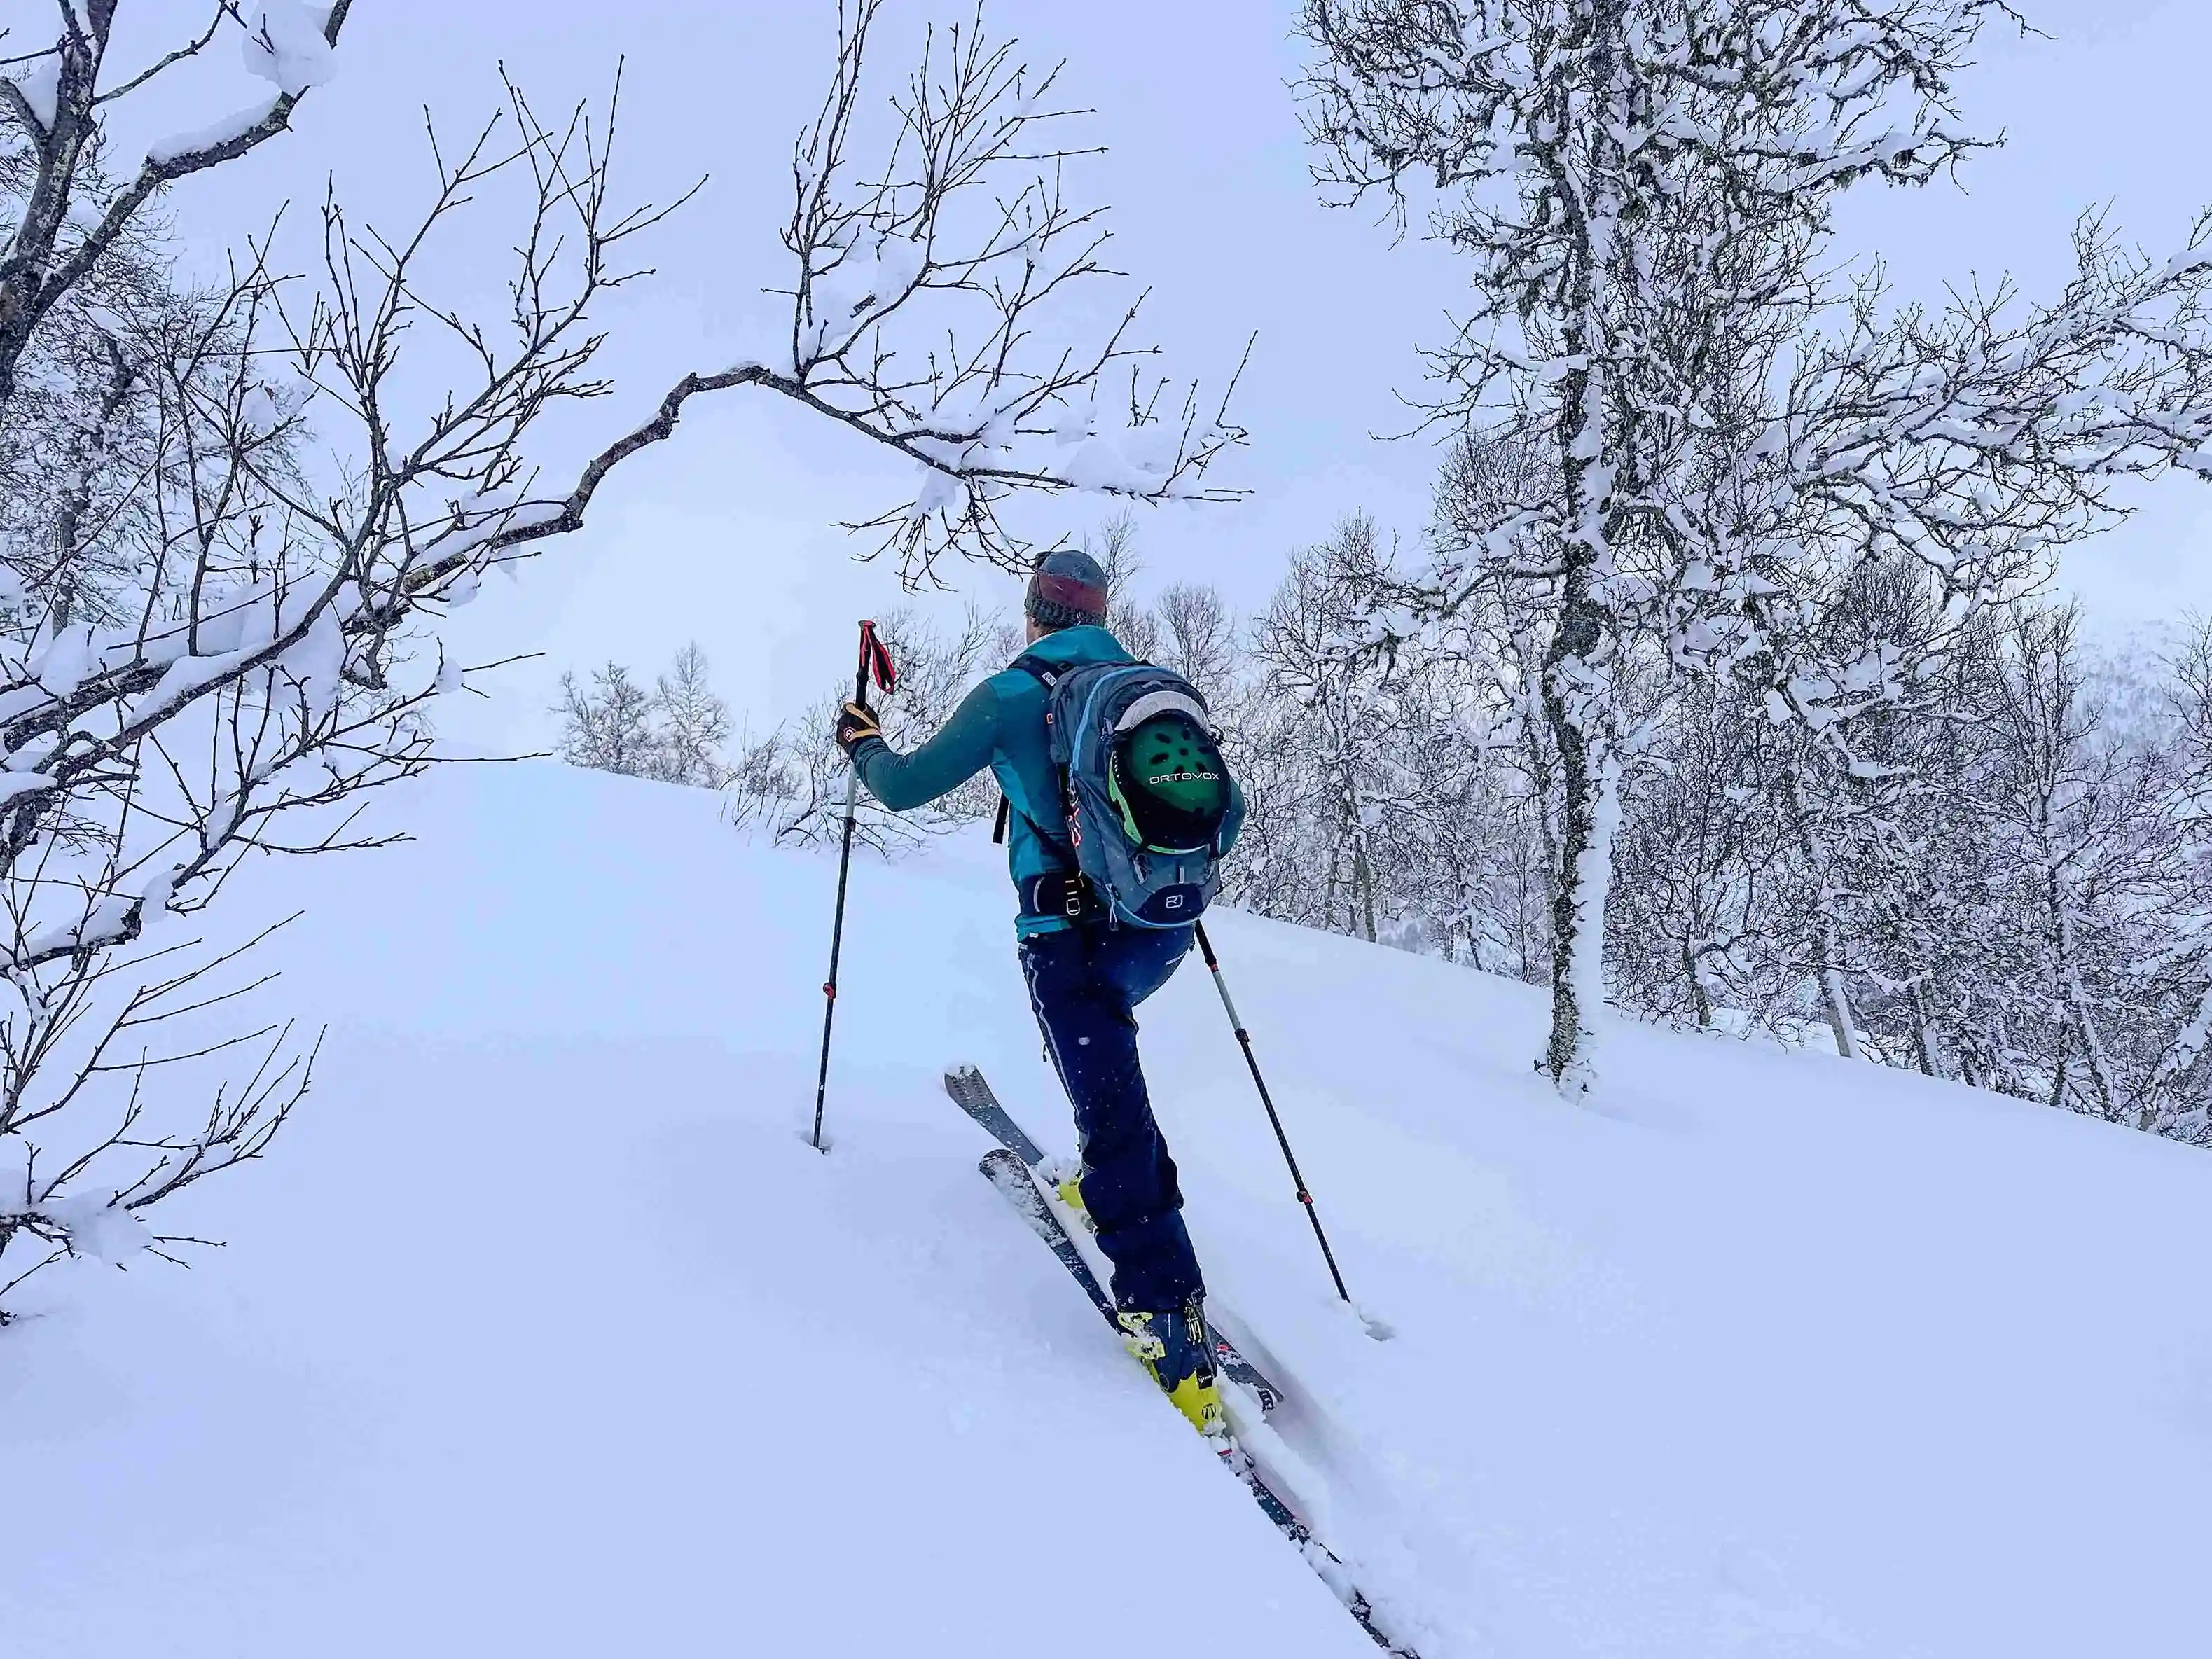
(1166, 780)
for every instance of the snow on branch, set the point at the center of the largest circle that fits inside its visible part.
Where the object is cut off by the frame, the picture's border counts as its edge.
(63, 124)
(1705, 426)
(941, 305)
(1989, 428)
(939, 296)
(234, 517)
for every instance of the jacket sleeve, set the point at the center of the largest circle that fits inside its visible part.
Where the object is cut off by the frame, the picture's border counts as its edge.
(962, 748)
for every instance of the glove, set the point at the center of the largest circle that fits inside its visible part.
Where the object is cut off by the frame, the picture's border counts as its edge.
(855, 725)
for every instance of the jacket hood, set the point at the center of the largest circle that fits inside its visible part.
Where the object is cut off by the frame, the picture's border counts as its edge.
(1086, 644)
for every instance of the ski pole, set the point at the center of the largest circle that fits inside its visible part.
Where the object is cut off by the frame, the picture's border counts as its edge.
(875, 661)
(1245, 1040)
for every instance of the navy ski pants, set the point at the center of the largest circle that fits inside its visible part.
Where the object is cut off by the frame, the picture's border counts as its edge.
(1084, 984)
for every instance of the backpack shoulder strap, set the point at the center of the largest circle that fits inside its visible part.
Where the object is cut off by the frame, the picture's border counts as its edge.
(1045, 671)
(1047, 674)
(1050, 674)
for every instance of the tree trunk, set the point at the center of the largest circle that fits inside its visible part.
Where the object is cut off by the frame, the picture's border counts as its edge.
(1924, 1046)
(1827, 939)
(1578, 692)
(1700, 999)
(89, 448)
(2074, 1000)
(1589, 809)
(1533, 710)
(27, 257)
(1837, 996)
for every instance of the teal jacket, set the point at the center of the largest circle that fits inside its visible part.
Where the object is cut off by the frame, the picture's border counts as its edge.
(1000, 725)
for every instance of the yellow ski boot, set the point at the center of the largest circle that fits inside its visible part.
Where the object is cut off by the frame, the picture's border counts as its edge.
(1174, 1347)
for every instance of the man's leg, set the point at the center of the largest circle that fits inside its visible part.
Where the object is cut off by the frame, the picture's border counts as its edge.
(1081, 982)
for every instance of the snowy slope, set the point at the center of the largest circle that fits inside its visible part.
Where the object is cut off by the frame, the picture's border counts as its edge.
(546, 1334)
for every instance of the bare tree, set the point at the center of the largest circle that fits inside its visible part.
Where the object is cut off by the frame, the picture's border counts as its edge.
(607, 726)
(72, 219)
(262, 647)
(1645, 192)
(1199, 641)
(1114, 546)
(937, 667)
(1345, 709)
(692, 722)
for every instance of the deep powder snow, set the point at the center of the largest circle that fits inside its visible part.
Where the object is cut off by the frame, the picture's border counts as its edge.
(541, 1331)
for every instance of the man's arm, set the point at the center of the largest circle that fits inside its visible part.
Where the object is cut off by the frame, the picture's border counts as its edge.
(962, 748)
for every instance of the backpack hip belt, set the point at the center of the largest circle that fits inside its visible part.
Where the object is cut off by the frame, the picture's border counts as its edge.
(1067, 894)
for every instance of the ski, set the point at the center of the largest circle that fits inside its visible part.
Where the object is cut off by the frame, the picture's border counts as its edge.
(1004, 1168)
(1004, 1172)
(973, 1096)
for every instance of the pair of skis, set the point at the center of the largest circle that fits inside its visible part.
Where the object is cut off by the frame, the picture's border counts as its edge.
(1019, 1155)
(1014, 1167)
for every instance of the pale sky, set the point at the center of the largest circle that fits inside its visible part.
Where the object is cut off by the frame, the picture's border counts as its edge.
(726, 534)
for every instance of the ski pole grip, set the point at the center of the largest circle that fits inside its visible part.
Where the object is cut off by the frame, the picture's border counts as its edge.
(861, 678)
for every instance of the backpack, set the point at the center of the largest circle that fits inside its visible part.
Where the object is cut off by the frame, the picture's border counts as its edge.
(1143, 787)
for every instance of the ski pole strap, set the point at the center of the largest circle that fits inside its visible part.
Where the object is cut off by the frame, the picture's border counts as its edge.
(1067, 894)
(875, 663)
(998, 825)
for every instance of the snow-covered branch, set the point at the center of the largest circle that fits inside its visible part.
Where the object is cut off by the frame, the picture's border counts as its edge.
(58, 105)
(1703, 428)
(234, 518)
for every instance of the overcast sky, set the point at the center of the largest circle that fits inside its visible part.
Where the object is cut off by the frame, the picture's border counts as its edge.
(727, 535)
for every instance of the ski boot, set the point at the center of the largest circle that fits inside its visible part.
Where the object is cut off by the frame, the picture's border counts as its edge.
(1176, 1349)
(1065, 1177)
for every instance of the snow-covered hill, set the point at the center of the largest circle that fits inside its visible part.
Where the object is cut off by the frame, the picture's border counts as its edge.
(542, 1333)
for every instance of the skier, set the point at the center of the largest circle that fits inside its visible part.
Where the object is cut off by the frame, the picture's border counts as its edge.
(1085, 976)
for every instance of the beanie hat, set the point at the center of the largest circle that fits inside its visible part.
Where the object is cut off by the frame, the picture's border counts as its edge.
(1067, 589)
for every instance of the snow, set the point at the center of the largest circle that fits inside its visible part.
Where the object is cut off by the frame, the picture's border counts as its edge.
(39, 81)
(187, 675)
(541, 1330)
(97, 1230)
(318, 661)
(284, 45)
(193, 140)
(269, 405)
(103, 923)
(62, 664)
(13, 784)
(866, 280)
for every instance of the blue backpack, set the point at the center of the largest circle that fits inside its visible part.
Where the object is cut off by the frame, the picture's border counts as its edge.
(1144, 790)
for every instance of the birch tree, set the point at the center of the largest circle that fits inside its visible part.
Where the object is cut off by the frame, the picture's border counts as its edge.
(332, 461)
(694, 722)
(1339, 708)
(1643, 190)
(608, 724)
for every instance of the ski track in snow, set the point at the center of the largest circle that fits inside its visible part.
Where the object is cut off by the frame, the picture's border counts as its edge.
(543, 1332)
